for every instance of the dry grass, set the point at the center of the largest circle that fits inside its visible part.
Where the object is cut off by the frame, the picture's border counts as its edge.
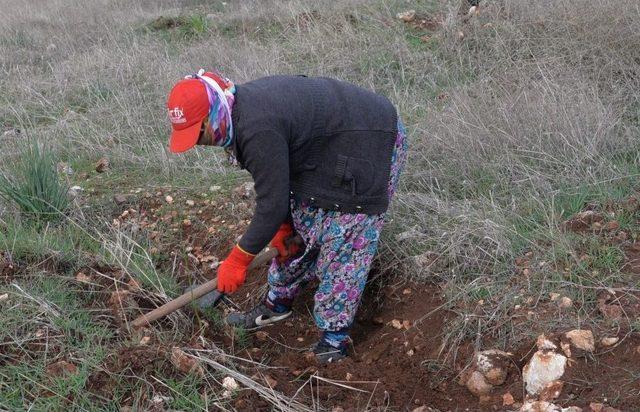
(534, 113)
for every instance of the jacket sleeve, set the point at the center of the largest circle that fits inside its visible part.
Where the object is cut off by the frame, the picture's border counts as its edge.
(266, 156)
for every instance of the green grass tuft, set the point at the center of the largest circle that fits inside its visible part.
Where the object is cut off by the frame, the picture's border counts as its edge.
(33, 185)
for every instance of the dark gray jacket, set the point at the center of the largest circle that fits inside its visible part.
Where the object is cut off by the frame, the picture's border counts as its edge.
(316, 139)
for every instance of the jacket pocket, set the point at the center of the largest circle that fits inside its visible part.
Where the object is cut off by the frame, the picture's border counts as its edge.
(353, 175)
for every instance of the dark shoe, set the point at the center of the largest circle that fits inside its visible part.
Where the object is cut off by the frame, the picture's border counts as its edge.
(257, 317)
(326, 353)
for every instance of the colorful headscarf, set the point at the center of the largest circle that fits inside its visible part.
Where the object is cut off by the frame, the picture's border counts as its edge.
(220, 91)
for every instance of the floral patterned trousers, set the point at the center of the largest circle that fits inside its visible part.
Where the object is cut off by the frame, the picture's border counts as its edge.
(339, 250)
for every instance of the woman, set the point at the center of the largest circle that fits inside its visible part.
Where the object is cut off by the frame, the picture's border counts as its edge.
(325, 157)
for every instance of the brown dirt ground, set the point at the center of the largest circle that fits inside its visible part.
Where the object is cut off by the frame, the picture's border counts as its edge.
(395, 360)
(388, 366)
(399, 368)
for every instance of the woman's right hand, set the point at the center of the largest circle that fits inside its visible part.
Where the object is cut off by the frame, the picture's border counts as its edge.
(233, 270)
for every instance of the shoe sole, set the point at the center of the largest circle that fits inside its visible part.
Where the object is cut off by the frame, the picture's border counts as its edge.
(260, 322)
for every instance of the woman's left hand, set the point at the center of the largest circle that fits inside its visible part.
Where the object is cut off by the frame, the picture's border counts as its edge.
(281, 242)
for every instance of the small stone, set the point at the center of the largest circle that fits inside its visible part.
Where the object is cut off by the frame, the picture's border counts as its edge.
(565, 302)
(120, 199)
(606, 342)
(102, 165)
(554, 296)
(581, 339)
(64, 168)
(478, 385)
(82, 277)
(507, 399)
(540, 406)
(407, 16)
(11, 133)
(185, 363)
(75, 190)
(168, 199)
(551, 391)
(214, 188)
(613, 225)
(493, 364)
(190, 203)
(396, 324)
(186, 223)
(230, 384)
(3, 297)
(145, 340)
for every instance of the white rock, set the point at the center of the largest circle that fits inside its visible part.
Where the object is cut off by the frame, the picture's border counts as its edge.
(493, 364)
(75, 190)
(565, 302)
(230, 384)
(609, 341)
(545, 344)
(540, 406)
(407, 16)
(581, 339)
(544, 367)
(544, 406)
(168, 199)
(11, 133)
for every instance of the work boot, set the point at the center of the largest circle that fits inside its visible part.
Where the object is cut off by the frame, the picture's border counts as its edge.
(257, 317)
(326, 353)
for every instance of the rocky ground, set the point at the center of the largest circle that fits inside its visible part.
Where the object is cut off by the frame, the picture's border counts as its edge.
(397, 359)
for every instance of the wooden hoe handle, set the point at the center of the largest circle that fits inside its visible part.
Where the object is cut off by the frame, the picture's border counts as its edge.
(171, 306)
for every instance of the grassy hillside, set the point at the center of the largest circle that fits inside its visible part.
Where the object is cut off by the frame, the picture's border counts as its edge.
(521, 118)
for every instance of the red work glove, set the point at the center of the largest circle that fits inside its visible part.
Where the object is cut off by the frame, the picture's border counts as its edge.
(233, 270)
(279, 242)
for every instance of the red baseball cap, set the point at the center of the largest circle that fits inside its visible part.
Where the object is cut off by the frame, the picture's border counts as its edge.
(188, 106)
